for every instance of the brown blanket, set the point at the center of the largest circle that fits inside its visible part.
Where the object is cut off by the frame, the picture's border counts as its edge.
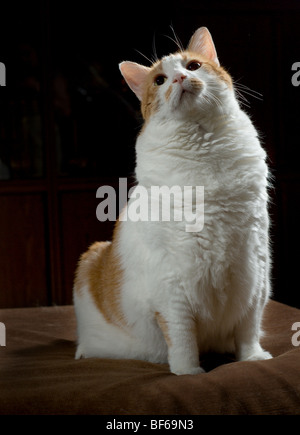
(38, 373)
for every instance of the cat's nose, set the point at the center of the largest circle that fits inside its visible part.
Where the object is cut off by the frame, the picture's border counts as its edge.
(179, 77)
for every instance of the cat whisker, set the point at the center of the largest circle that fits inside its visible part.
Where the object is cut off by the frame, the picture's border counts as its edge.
(154, 48)
(250, 94)
(207, 100)
(243, 89)
(177, 40)
(241, 85)
(242, 99)
(212, 99)
(152, 61)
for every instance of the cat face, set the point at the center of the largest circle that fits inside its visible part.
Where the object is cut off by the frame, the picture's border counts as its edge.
(183, 84)
(187, 83)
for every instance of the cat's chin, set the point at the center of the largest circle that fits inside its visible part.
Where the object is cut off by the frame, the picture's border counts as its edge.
(187, 107)
(186, 93)
(184, 101)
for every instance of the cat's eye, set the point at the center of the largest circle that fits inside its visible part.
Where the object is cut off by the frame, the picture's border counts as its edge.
(160, 80)
(193, 66)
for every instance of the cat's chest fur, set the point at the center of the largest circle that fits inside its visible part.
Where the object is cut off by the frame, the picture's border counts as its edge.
(217, 155)
(226, 159)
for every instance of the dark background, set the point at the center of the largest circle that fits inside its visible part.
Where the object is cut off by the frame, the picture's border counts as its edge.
(68, 124)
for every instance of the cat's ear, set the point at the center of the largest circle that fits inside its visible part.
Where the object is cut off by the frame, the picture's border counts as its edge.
(135, 76)
(202, 43)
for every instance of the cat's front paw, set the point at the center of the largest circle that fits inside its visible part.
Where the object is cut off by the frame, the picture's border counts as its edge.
(257, 354)
(187, 370)
(79, 352)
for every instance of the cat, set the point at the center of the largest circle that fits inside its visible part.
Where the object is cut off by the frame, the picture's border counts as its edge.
(158, 292)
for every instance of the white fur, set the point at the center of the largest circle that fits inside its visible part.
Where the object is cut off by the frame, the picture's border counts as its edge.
(210, 287)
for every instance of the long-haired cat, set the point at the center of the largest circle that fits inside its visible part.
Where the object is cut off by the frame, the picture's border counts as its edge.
(158, 292)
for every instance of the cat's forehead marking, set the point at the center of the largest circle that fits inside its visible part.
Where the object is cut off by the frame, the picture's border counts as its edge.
(165, 63)
(171, 61)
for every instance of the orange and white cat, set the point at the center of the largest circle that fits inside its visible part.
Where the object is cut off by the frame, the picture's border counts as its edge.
(158, 292)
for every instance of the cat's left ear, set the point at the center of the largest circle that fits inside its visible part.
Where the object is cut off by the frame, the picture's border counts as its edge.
(202, 43)
(135, 76)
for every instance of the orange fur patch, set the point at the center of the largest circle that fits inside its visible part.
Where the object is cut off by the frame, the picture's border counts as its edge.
(162, 323)
(196, 83)
(100, 269)
(168, 92)
(149, 101)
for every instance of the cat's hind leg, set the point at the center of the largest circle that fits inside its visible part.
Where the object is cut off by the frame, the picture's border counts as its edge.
(100, 329)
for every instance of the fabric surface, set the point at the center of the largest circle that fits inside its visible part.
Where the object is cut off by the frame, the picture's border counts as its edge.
(39, 375)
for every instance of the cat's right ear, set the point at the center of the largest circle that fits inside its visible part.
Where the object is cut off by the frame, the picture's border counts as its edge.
(202, 43)
(135, 76)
